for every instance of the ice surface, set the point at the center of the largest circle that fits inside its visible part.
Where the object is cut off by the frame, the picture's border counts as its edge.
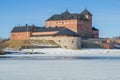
(59, 70)
(95, 64)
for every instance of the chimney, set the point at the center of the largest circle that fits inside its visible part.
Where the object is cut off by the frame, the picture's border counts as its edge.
(26, 25)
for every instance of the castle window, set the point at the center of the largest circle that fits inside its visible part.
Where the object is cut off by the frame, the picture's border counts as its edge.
(59, 41)
(59, 22)
(72, 41)
(13, 35)
(65, 46)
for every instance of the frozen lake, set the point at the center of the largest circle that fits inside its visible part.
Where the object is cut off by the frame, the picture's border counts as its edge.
(60, 68)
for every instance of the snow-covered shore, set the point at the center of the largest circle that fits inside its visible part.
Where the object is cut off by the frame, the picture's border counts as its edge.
(80, 51)
(61, 51)
(66, 52)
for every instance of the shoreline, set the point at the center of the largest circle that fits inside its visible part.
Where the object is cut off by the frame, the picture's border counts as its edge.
(65, 52)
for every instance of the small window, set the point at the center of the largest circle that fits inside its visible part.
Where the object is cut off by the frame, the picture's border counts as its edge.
(13, 35)
(59, 41)
(65, 22)
(65, 46)
(72, 41)
(59, 22)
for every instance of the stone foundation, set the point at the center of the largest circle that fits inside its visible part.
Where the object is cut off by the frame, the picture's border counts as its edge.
(68, 42)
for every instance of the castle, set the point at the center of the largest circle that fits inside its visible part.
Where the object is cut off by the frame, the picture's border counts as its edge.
(66, 29)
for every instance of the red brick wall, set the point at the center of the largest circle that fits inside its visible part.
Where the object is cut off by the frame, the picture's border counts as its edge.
(44, 33)
(70, 24)
(80, 26)
(20, 35)
(95, 33)
(85, 27)
(108, 46)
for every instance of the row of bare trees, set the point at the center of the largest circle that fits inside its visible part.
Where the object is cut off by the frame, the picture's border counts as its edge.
(117, 37)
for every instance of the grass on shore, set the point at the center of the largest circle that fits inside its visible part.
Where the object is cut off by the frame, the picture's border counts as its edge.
(17, 44)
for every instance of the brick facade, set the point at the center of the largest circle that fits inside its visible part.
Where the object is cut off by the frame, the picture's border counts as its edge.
(70, 24)
(107, 44)
(80, 26)
(84, 28)
(81, 23)
(43, 33)
(95, 33)
(20, 35)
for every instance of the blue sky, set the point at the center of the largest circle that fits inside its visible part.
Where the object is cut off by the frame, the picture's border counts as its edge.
(106, 13)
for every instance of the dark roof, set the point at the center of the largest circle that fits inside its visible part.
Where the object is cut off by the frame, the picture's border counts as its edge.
(66, 31)
(22, 29)
(42, 35)
(93, 28)
(86, 12)
(61, 30)
(43, 29)
(67, 16)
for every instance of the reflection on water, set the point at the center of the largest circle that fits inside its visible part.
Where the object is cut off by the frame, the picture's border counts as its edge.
(59, 57)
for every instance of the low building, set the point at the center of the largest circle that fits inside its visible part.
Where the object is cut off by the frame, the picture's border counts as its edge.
(62, 36)
(108, 44)
(21, 32)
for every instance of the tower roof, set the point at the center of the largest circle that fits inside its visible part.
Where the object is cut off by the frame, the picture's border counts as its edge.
(66, 12)
(86, 12)
(67, 16)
